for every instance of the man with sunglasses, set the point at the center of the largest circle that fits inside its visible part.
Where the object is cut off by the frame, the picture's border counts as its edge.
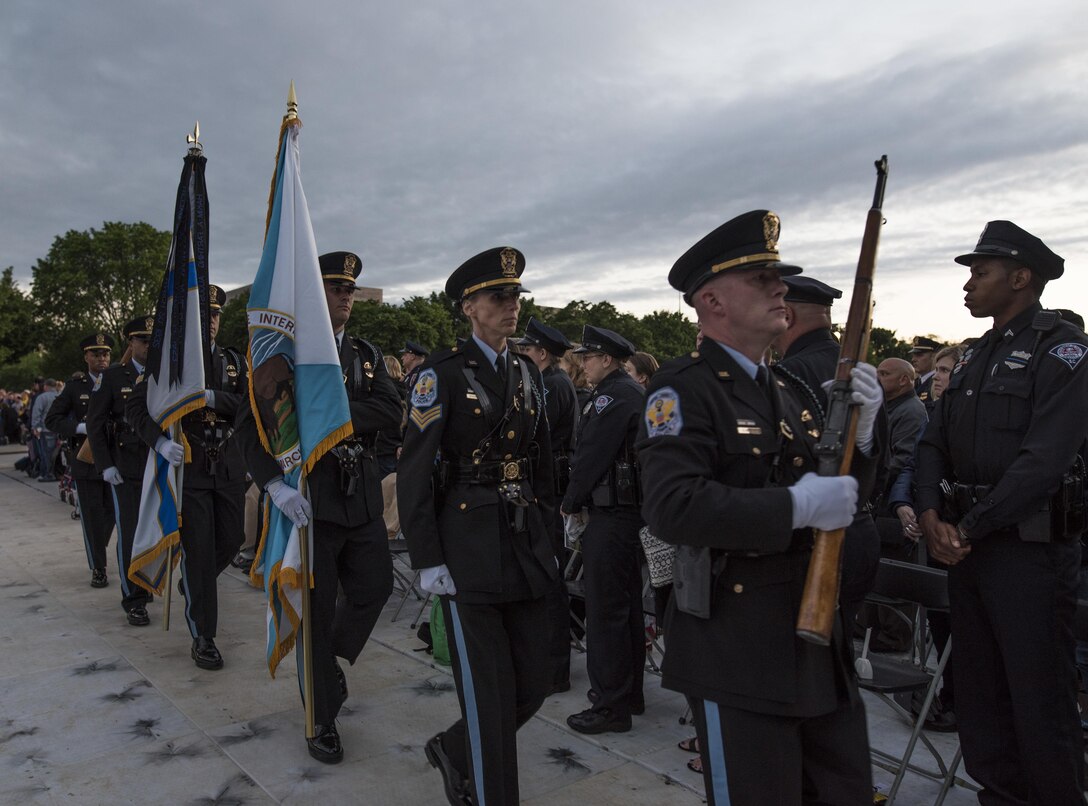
(480, 533)
(68, 418)
(603, 480)
(120, 456)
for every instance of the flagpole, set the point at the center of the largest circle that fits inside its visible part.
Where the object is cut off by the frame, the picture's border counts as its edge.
(195, 148)
(307, 641)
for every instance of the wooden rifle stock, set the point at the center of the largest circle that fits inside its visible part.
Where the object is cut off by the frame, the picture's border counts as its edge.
(835, 449)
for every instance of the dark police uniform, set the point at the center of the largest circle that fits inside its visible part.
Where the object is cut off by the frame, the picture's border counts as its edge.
(486, 518)
(214, 488)
(779, 719)
(114, 443)
(349, 542)
(603, 480)
(1007, 428)
(95, 499)
(924, 388)
(813, 358)
(561, 406)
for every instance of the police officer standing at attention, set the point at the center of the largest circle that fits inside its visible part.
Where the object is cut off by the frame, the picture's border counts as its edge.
(120, 456)
(603, 480)
(923, 356)
(545, 346)
(1000, 476)
(481, 536)
(728, 476)
(68, 418)
(214, 485)
(348, 538)
(411, 358)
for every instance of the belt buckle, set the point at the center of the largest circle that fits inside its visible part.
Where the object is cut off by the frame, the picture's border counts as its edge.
(511, 471)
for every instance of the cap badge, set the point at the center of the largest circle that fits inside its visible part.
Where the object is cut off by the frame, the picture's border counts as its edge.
(149, 323)
(100, 340)
(772, 225)
(508, 259)
(349, 264)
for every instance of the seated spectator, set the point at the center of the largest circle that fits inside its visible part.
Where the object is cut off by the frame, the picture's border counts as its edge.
(642, 366)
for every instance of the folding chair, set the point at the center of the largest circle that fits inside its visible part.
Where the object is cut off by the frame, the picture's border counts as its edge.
(899, 583)
(405, 578)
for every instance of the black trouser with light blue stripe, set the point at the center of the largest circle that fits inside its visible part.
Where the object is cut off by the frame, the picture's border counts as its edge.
(96, 517)
(126, 509)
(501, 666)
(212, 529)
(753, 759)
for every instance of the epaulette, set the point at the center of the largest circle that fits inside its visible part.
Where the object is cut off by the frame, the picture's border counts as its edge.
(439, 356)
(683, 362)
(78, 376)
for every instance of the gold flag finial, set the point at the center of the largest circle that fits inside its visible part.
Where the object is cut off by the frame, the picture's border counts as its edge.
(195, 146)
(292, 103)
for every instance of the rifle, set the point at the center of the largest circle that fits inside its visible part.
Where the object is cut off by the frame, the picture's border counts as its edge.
(835, 449)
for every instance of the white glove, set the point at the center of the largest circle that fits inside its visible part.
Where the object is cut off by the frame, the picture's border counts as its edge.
(113, 476)
(209, 397)
(824, 502)
(437, 580)
(866, 391)
(81, 428)
(171, 451)
(574, 525)
(289, 501)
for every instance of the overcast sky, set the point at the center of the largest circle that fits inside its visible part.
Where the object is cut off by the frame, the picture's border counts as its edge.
(600, 138)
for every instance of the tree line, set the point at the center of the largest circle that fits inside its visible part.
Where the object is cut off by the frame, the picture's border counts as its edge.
(101, 278)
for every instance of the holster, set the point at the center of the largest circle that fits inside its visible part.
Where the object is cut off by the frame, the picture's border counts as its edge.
(693, 580)
(620, 487)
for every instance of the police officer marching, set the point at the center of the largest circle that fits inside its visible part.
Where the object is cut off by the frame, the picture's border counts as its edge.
(348, 539)
(68, 418)
(1000, 474)
(544, 346)
(480, 536)
(120, 456)
(213, 494)
(728, 461)
(603, 480)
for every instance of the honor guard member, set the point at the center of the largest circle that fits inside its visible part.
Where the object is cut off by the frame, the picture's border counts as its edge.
(120, 456)
(923, 355)
(545, 346)
(603, 480)
(810, 352)
(68, 418)
(214, 483)
(411, 358)
(348, 538)
(728, 465)
(1000, 476)
(480, 535)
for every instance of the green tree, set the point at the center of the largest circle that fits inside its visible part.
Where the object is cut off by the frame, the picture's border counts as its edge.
(18, 330)
(105, 277)
(233, 329)
(883, 343)
(667, 334)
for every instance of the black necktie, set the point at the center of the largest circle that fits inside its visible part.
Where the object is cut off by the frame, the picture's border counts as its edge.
(500, 369)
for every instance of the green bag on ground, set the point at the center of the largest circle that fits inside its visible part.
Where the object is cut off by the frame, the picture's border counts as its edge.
(439, 645)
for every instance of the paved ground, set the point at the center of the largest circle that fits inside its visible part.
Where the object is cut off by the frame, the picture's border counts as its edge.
(94, 711)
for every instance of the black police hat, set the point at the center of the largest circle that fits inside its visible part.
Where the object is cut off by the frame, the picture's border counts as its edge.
(340, 268)
(217, 298)
(749, 241)
(920, 344)
(539, 334)
(141, 326)
(599, 340)
(97, 341)
(415, 348)
(496, 268)
(809, 289)
(1005, 239)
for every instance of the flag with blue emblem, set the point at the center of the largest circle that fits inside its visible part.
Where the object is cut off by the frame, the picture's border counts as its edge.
(296, 384)
(174, 375)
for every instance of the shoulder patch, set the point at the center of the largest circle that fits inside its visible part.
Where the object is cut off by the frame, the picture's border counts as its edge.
(601, 403)
(663, 417)
(1070, 352)
(425, 392)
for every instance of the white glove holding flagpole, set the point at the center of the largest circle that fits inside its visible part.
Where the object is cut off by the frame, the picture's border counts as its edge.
(171, 451)
(113, 476)
(437, 580)
(290, 502)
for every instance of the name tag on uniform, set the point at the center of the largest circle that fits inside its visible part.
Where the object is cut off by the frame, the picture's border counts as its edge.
(748, 428)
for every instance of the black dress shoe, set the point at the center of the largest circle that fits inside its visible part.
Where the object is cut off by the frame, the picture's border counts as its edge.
(98, 578)
(326, 746)
(343, 681)
(458, 789)
(602, 721)
(637, 707)
(559, 686)
(205, 654)
(138, 617)
(181, 589)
